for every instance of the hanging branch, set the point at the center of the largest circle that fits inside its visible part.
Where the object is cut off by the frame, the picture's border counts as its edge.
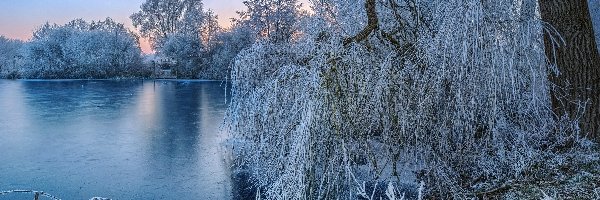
(372, 24)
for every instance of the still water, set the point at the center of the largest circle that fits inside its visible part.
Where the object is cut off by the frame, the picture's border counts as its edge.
(78, 139)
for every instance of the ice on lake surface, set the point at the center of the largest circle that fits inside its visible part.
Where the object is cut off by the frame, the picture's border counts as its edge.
(79, 139)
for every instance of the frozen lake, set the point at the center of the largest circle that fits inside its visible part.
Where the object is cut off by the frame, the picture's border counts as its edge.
(78, 139)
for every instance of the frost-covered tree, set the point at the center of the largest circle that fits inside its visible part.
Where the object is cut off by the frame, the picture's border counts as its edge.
(184, 45)
(210, 30)
(274, 20)
(273, 23)
(225, 47)
(186, 51)
(371, 92)
(10, 57)
(78, 49)
(158, 18)
(182, 32)
(44, 54)
(193, 17)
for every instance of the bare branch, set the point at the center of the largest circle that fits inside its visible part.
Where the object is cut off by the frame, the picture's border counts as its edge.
(372, 24)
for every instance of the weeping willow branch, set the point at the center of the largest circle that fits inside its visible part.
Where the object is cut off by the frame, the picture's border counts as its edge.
(465, 108)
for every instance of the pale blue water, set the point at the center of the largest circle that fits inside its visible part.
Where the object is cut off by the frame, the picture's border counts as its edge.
(115, 139)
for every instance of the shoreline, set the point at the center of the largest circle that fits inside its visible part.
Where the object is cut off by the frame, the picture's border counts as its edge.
(121, 79)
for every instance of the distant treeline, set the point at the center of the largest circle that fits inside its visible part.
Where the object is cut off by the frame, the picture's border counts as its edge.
(186, 38)
(78, 49)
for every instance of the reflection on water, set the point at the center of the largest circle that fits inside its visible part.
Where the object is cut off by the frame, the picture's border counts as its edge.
(117, 139)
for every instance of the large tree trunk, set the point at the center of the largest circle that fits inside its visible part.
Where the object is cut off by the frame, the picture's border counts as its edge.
(577, 59)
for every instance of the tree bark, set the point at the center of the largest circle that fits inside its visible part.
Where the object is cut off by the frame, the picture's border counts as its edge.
(578, 62)
(372, 24)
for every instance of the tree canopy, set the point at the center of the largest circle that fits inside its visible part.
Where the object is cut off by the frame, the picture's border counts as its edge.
(80, 49)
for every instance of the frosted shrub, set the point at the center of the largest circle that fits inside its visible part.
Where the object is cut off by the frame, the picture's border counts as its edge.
(456, 92)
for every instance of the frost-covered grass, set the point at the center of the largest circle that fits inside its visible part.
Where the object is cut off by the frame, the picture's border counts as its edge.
(569, 175)
(456, 93)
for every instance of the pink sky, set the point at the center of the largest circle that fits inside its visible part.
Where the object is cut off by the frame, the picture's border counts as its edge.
(18, 18)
